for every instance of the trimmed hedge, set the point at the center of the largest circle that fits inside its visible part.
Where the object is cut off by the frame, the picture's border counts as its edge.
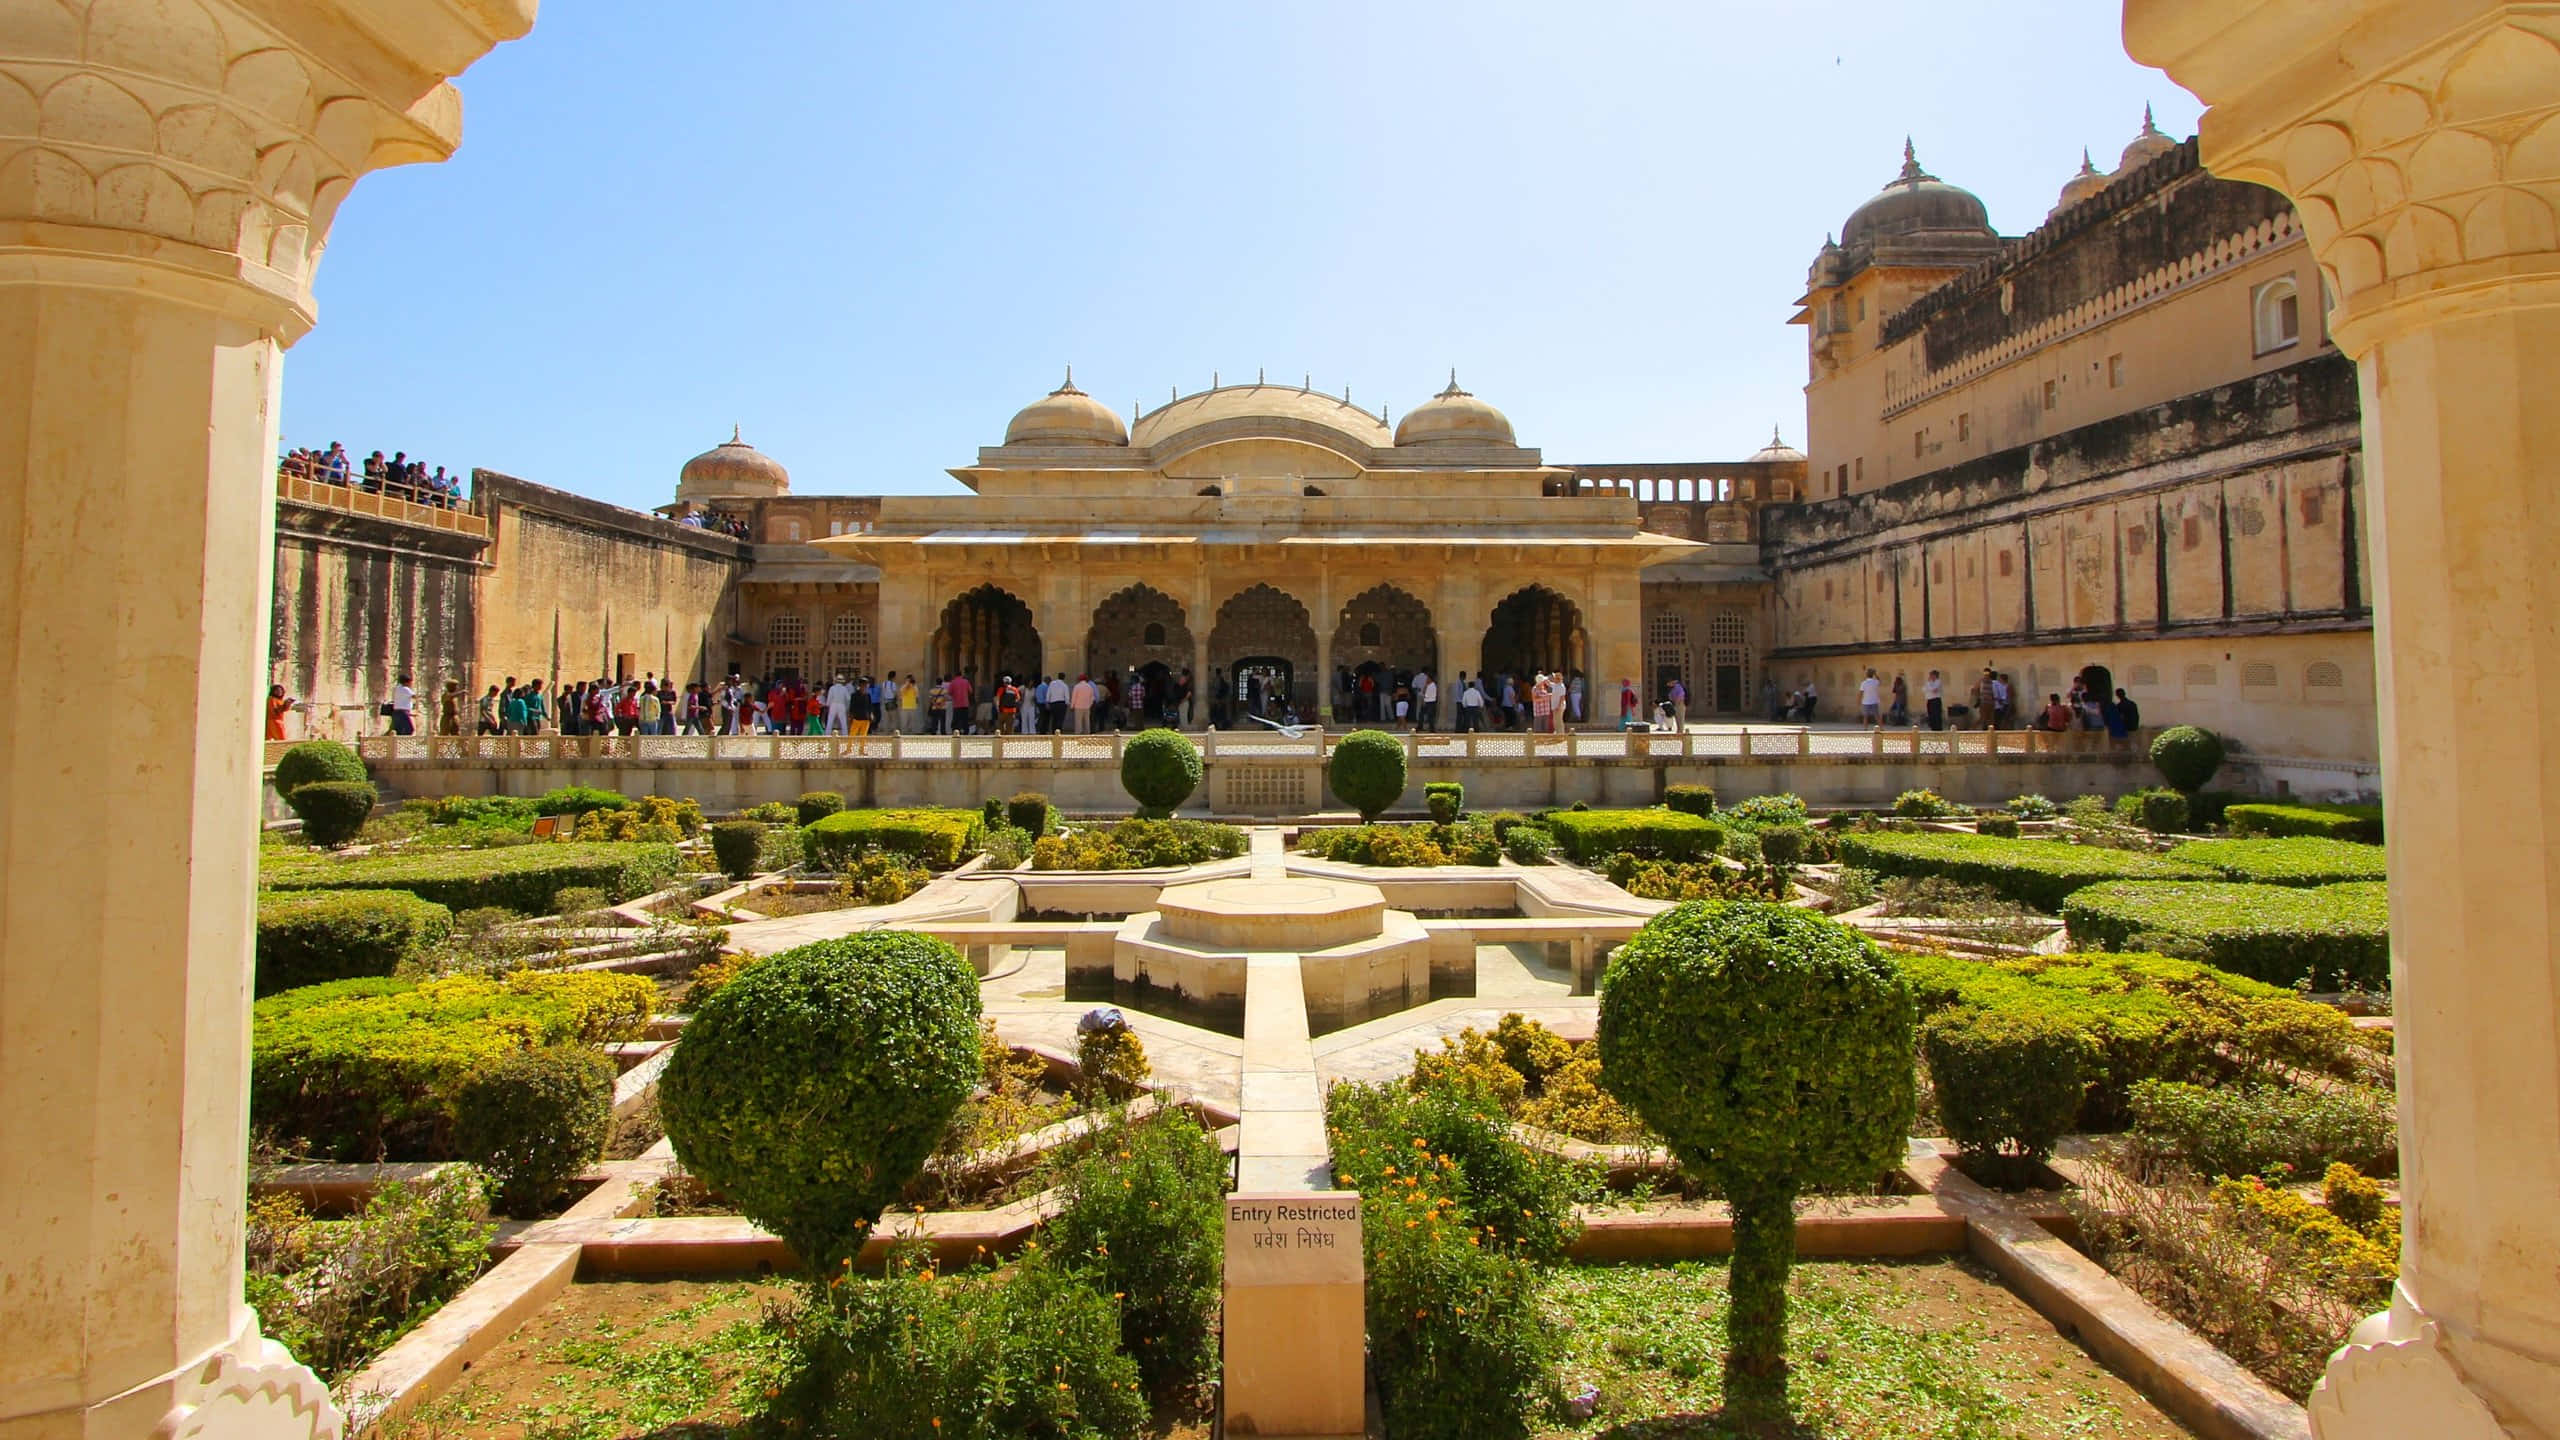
(578, 800)
(1698, 800)
(812, 1088)
(534, 1119)
(937, 837)
(2041, 873)
(314, 760)
(1367, 772)
(368, 1069)
(737, 845)
(2187, 756)
(2335, 822)
(1591, 836)
(524, 878)
(333, 811)
(817, 805)
(2335, 937)
(1160, 769)
(2296, 860)
(2009, 1079)
(306, 937)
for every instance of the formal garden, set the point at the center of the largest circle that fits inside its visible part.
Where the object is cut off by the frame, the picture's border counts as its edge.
(786, 1100)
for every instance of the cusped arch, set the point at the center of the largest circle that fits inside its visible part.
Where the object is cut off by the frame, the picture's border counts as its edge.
(1138, 626)
(1535, 630)
(1387, 626)
(987, 634)
(1268, 626)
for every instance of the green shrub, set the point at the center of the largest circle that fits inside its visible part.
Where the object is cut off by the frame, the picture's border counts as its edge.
(510, 812)
(2160, 810)
(1456, 1219)
(577, 901)
(737, 845)
(1142, 1215)
(1591, 836)
(312, 760)
(333, 811)
(309, 936)
(2243, 1131)
(1469, 842)
(991, 812)
(2332, 937)
(937, 837)
(2334, 822)
(1925, 805)
(2041, 873)
(812, 1087)
(1111, 1065)
(1032, 1350)
(2004, 826)
(1762, 810)
(2186, 756)
(772, 812)
(2297, 860)
(1160, 769)
(533, 1119)
(1784, 845)
(2009, 1082)
(337, 1294)
(2206, 809)
(1442, 807)
(578, 800)
(2033, 807)
(523, 878)
(367, 1069)
(1698, 800)
(1367, 772)
(1529, 845)
(1138, 845)
(1772, 1050)
(815, 806)
(1029, 813)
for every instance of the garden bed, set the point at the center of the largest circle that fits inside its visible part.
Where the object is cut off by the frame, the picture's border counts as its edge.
(2335, 937)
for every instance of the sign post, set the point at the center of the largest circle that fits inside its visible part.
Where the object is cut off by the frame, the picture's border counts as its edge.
(1296, 1318)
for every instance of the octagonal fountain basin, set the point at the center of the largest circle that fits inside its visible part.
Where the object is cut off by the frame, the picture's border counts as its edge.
(1187, 959)
(1248, 913)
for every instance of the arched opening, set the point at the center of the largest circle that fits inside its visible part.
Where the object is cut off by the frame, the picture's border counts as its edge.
(1383, 638)
(1142, 630)
(1729, 662)
(986, 635)
(1262, 657)
(1535, 631)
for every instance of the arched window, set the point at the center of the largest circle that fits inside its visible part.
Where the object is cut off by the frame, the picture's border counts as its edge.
(2277, 307)
(1153, 634)
(784, 636)
(1369, 633)
(849, 645)
(2323, 675)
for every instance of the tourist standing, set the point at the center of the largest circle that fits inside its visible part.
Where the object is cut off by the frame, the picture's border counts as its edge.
(537, 707)
(402, 708)
(279, 704)
(1542, 703)
(1629, 703)
(1573, 696)
(1080, 705)
(1470, 704)
(1677, 697)
(449, 709)
(964, 715)
(489, 712)
(1985, 713)
(1899, 713)
(839, 706)
(1871, 700)
(1933, 696)
(1428, 718)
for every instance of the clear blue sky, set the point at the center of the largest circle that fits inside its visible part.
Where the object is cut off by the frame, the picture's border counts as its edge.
(870, 232)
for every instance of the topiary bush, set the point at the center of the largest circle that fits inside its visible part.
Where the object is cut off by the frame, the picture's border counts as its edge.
(1529, 845)
(937, 837)
(1698, 800)
(1142, 1216)
(1159, 769)
(2160, 810)
(534, 1119)
(772, 812)
(2237, 1130)
(815, 806)
(2004, 826)
(812, 1088)
(313, 760)
(1772, 1051)
(2187, 756)
(1442, 805)
(1028, 812)
(736, 845)
(333, 811)
(1784, 845)
(1591, 836)
(2009, 1082)
(306, 937)
(1924, 805)
(1367, 772)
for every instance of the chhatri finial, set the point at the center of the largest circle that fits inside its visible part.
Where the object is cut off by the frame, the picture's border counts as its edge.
(2087, 166)
(1257, 374)
(1307, 381)
(1068, 385)
(2148, 128)
(1453, 389)
(737, 434)
(1773, 437)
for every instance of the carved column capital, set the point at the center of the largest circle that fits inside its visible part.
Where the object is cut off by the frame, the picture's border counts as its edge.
(200, 148)
(2420, 140)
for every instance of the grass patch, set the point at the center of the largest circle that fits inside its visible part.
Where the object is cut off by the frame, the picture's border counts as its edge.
(2296, 860)
(1915, 1349)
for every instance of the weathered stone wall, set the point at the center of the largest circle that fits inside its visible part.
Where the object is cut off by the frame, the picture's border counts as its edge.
(578, 588)
(359, 601)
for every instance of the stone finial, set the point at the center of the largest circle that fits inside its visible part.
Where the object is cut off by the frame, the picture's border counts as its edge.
(1068, 385)
(1257, 374)
(2089, 167)
(1911, 171)
(737, 433)
(1773, 436)
(2148, 128)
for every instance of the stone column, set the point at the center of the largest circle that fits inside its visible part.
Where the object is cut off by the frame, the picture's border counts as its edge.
(1326, 620)
(2421, 140)
(167, 176)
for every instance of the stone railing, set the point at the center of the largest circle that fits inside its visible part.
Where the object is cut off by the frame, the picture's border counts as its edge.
(1773, 743)
(356, 501)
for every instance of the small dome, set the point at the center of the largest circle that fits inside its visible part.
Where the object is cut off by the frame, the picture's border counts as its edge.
(1454, 417)
(1066, 416)
(1777, 451)
(2079, 187)
(1917, 202)
(2148, 146)
(733, 470)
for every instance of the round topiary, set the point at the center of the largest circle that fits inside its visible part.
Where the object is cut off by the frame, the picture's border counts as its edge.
(1772, 1049)
(817, 805)
(534, 1119)
(812, 1088)
(736, 844)
(316, 760)
(1784, 845)
(2004, 826)
(2009, 1082)
(1367, 772)
(1159, 769)
(332, 811)
(2187, 756)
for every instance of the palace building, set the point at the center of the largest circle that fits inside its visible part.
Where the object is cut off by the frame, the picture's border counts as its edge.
(2119, 441)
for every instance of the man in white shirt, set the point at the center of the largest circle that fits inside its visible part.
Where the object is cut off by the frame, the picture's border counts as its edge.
(1470, 704)
(1934, 691)
(839, 707)
(404, 708)
(1871, 700)
(1426, 701)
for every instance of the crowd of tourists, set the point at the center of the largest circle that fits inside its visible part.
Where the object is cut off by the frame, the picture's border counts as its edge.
(1991, 702)
(399, 476)
(717, 521)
